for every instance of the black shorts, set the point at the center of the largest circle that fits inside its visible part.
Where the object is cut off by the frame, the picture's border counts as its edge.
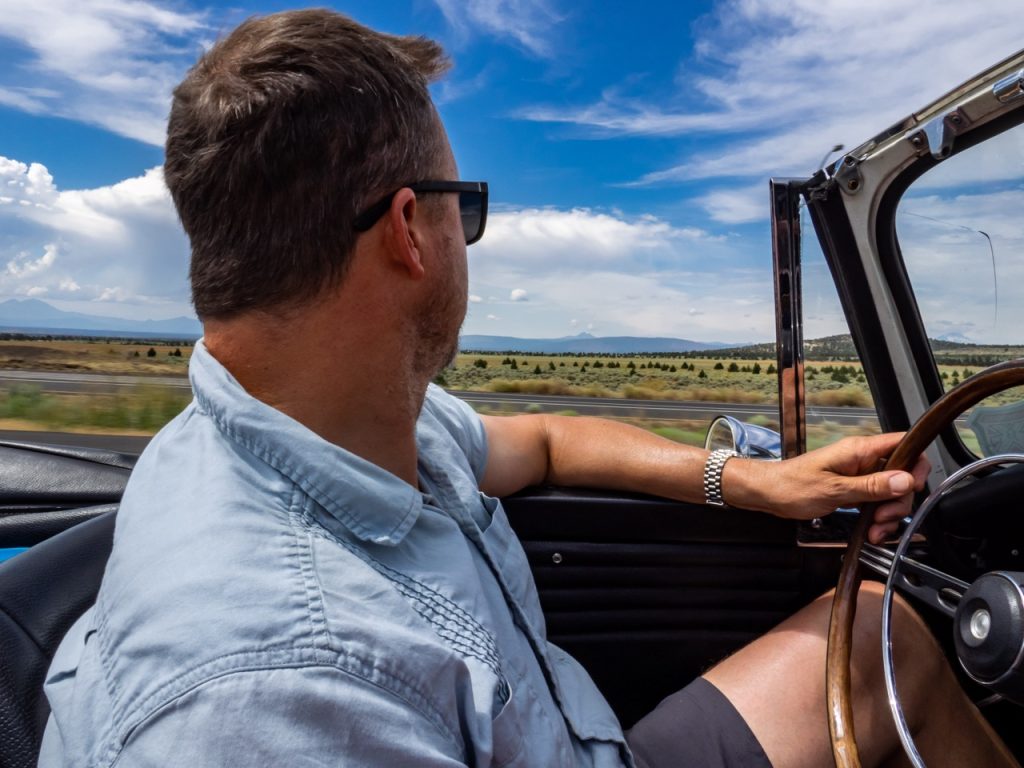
(696, 727)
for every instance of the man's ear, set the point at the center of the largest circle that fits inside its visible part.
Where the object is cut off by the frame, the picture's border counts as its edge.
(405, 222)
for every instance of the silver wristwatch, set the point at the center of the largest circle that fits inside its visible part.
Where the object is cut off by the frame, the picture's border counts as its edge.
(713, 476)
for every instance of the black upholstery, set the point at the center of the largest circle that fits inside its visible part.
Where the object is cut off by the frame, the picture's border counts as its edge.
(42, 592)
(648, 593)
(45, 489)
(52, 477)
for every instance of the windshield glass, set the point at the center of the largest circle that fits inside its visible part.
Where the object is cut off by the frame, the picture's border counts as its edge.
(962, 239)
(838, 398)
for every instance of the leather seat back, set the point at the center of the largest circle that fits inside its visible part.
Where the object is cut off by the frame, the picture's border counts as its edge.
(42, 592)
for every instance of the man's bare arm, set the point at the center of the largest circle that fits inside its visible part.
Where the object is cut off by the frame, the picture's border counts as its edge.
(589, 452)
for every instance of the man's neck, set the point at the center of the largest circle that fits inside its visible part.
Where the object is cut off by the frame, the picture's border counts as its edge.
(354, 392)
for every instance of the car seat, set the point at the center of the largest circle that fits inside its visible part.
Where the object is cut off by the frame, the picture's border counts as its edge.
(42, 592)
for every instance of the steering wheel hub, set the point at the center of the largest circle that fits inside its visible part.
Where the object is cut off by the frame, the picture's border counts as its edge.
(989, 632)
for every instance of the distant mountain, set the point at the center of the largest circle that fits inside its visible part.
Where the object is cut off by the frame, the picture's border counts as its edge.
(35, 316)
(584, 343)
(947, 351)
(950, 340)
(824, 348)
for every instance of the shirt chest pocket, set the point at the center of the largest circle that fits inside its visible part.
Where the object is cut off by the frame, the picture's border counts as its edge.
(506, 734)
(528, 732)
(509, 558)
(586, 711)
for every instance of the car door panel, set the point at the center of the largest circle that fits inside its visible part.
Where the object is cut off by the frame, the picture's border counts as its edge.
(647, 593)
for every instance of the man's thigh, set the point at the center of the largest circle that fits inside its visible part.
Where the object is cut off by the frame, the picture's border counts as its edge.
(777, 684)
(765, 704)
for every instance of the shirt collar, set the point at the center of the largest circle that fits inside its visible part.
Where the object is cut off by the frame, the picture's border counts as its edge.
(375, 505)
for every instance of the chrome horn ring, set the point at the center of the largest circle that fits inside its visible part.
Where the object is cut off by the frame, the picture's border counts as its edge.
(932, 586)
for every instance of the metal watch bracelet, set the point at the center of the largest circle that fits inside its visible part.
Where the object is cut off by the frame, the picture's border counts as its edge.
(713, 468)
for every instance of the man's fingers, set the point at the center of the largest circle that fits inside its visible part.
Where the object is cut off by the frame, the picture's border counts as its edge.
(881, 486)
(900, 483)
(877, 534)
(920, 472)
(889, 512)
(887, 519)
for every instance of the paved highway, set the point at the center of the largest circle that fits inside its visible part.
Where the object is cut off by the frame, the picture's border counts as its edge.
(67, 383)
(98, 383)
(656, 409)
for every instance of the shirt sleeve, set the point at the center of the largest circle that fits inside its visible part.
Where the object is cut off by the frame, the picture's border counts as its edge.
(308, 716)
(460, 421)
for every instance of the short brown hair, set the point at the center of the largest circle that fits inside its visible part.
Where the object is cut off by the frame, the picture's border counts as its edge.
(278, 136)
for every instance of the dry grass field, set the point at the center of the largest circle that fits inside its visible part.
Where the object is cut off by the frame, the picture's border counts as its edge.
(641, 377)
(97, 356)
(727, 378)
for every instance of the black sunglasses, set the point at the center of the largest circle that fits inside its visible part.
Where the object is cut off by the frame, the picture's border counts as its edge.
(472, 206)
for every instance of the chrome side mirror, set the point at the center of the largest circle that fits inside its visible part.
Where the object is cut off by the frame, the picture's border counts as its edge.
(748, 440)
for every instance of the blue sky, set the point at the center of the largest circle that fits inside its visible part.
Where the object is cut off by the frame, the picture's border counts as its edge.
(627, 145)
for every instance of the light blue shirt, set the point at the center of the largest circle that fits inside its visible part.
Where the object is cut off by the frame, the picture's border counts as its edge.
(274, 600)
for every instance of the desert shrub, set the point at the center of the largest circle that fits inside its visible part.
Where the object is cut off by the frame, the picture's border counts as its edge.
(531, 386)
(844, 396)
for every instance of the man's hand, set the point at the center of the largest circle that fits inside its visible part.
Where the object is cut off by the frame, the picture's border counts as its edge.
(839, 475)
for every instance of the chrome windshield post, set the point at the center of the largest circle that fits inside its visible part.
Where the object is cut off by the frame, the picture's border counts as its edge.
(785, 202)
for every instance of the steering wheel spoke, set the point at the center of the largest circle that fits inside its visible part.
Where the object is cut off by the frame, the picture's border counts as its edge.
(929, 585)
(939, 590)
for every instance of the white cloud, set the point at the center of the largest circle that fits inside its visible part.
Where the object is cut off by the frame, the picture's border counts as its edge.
(20, 266)
(111, 63)
(493, 317)
(518, 294)
(453, 88)
(474, 299)
(789, 80)
(582, 237)
(737, 206)
(21, 98)
(626, 275)
(528, 23)
(119, 244)
(943, 235)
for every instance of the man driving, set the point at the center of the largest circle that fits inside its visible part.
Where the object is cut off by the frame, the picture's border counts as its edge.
(335, 581)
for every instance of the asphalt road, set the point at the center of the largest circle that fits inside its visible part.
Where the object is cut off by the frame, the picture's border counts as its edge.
(657, 409)
(67, 383)
(97, 383)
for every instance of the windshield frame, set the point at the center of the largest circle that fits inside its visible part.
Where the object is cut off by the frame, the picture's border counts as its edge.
(898, 278)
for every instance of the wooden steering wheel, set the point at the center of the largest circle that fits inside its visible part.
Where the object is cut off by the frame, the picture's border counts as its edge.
(844, 604)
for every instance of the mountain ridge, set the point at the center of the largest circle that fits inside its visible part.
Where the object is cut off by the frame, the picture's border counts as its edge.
(585, 343)
(38, 316)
